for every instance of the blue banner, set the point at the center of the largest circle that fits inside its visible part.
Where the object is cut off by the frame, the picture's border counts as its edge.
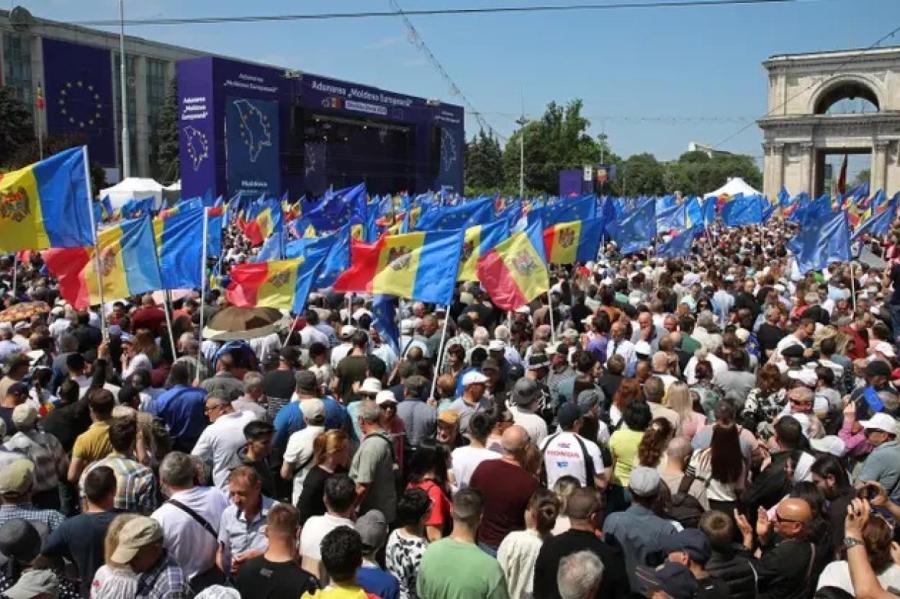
(251, 145)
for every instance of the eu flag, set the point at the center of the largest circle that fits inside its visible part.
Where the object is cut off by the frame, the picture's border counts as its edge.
(635, 230)
(824, 242)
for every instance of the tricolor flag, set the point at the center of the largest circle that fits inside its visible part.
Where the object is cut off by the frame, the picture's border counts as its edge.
(575, 241)
(420, 266)
(478, 241)
(127, 262)
(514, 272)
(46, 204)
(283, 284)
(267, 221)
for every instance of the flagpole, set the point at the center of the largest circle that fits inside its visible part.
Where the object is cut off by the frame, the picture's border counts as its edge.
(349, 307)
(203, 277)
(97, 267)
(440, 354)
(852, 286)
(15, 272)
(168, 305)
(550, 306)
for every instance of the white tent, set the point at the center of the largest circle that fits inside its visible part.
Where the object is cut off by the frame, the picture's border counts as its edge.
(133, 188)
(734, 186)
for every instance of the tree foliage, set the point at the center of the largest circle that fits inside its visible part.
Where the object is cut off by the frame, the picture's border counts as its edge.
(164, 160)
(862, 176)
(484, 164)
(696, 173)
(30, 152)
(16, 125)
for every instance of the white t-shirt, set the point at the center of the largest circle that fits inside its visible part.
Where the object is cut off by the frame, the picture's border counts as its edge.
(299, 452)
(315, 530)
(465, 459)
(534, 425)
(563, 456)
(837, 574)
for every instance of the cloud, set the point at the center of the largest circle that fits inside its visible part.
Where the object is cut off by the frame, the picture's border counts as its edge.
(385, 42)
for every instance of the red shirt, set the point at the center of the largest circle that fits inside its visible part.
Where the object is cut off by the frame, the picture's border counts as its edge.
(439, 517)
(506, 489)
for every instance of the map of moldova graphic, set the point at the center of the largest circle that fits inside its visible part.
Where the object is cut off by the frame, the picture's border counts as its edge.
(256, 132)
(197, 146)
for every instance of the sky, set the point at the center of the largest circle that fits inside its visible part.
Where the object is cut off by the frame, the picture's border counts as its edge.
(652, 79)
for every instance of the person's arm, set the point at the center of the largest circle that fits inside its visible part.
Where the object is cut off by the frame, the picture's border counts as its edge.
(865, 583)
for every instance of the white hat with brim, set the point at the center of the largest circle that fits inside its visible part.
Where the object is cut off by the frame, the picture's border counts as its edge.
(880, 422)
(473, 378)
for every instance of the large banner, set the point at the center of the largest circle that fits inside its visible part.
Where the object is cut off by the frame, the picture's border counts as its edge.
(196, 128)
(79, 100)
(251, 145)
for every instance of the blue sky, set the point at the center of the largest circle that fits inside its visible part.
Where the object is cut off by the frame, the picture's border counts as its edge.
(652, 79)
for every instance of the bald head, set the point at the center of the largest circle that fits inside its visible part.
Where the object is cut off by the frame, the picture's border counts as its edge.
(792, 517)
(514, 440)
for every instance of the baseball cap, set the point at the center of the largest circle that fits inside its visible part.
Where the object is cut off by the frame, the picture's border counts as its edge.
(559, 348)
(829, 444)
(383, 397)
(643, 348)
(804, 375)
(448, 417)
(489, 364)
(473, 377)
(24, 416)
(880, 422)
(347, 331)
(568, 414)
(313, 410)
(373, 529)
(17, 477)
(496, 345)
(675, 580)
(307, 381)
(536, 361)
(885, 348)
(587, 399)
(523, 310)
(134, 536)
(644, 482)
(525, 392)
(691, 541)
(34, 583)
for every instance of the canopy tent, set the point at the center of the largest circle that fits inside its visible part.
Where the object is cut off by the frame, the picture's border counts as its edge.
(133, 188)
(734, 186)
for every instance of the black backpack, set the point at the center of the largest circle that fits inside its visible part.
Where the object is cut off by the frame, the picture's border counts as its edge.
(685, 508)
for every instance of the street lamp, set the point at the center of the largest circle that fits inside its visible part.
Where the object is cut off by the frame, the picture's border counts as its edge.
(521, 122)
(123, 89)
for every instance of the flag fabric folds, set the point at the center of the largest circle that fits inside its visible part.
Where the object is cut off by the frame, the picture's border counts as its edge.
(514, 272)
(478, 241)
(127, 262)
(576, 241)
(420, 266)
(266, 222)
(283, 284)
(824, 242)
(679, 245)
(179, 245)
(471, 213)
(384, 319)
(742, 210)
(335, 208)
(635, 230)
(880, 224)
(46, 204)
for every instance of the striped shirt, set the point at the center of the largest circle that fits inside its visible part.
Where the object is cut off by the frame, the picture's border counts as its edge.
(135, 485)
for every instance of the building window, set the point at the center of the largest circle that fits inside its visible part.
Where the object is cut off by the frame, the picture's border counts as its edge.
(156, 89)
(132, 107)
(17, 66)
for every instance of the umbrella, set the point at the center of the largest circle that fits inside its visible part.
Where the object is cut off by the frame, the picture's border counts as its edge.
(24, 311)
(233, 323)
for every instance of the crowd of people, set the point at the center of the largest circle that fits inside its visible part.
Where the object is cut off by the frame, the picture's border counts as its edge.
(713, 426)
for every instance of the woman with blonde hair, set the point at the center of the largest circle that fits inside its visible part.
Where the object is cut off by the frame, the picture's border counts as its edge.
(331, 455)
(113, 580)
(678, 398)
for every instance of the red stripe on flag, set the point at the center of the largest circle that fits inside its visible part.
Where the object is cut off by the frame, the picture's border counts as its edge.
(246, 279)
(363, 267)
(549, 236)
(67, 265)
(498, 282)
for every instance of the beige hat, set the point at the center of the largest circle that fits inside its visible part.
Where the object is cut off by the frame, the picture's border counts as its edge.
(17, 477)
(24, 416)
(134, 536)
(313, 410)
(370, 386)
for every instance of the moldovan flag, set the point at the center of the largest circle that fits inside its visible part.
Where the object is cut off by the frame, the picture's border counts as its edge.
(267, 221)
(420, 266)
(283, 284)
(514, 273)
(127, 261)
(46, 204)
(575, 241)
(479, 240)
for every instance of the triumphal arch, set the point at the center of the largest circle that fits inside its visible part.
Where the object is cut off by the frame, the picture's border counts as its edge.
(843, 102)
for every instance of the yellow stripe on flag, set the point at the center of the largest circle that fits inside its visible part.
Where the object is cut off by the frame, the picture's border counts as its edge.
(468, 264)
(565, 243)
(112, 267)
(277, 291)
(524, 265)
(21, 220)
(398, 263)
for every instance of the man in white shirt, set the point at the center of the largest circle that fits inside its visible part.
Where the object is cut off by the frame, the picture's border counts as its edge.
(805, 330)
(298, 456)
(619, 345)
(659, 365)
(340, 503)
(192, 544)
(311, 334)
(341, 351)
(568, 453)
(525, 400)
(219, 443)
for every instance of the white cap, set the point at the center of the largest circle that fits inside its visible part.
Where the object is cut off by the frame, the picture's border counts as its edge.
(805, 376)
(523, 310)
(384, 397)
(643, 348)
(570, 334)
(885, 348)
(829, 444)
(370, 386)
(496, 345)
(347, 331)
(742, 335)
(473, 378)
(880, 422)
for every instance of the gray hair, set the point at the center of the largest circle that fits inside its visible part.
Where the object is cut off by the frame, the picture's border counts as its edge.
(579, 575)
(177, 470)
(369, 411)
(253, 381)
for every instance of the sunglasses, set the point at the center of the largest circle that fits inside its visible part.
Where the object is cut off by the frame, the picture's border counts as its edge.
(208, 409)
(781, 520)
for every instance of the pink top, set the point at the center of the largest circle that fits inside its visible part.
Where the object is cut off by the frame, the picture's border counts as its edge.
(693, 424)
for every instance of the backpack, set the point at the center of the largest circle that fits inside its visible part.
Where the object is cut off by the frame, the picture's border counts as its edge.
(685, 508)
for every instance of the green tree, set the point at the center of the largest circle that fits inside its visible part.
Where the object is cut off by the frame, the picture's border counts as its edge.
(862, 176)
(29, 153)
(484, 164)
(164, 160)
(16, 125)
(558, 140)
(696, 173)
(640, 174)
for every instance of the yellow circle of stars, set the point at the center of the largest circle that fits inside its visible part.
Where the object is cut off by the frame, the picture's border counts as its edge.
(79, 89)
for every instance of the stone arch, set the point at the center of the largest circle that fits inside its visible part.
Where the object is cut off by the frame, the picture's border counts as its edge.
(845, 86)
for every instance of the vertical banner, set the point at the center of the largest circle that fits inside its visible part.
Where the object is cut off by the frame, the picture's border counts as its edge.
(251, 145)
(196, 128)
(452, 148)
(79, 100)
